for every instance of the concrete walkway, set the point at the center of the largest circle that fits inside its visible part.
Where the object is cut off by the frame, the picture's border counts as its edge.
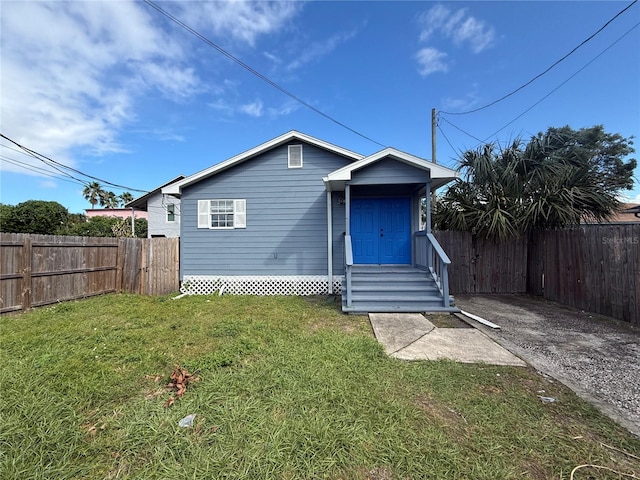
(410, 336)
(595, 356)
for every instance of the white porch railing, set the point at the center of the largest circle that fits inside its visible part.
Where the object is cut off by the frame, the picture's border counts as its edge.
(348, 262)
(431, 257)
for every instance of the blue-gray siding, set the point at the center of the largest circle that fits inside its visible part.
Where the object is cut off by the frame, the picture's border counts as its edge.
(286, 230)
(389, 171)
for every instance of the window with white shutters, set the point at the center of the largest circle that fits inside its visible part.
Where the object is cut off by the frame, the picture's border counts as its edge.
(222, 213)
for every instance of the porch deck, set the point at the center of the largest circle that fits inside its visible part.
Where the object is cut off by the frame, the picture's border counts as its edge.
(394, 288)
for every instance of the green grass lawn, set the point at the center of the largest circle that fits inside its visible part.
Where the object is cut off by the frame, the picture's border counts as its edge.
(289, 388)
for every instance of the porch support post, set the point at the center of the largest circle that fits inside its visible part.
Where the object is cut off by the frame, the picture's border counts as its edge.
(427, 227)
(347, 208)
(329, 243)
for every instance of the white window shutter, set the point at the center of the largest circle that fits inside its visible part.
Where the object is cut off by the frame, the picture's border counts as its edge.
(240, 213)
(204, 217)
(295, 156)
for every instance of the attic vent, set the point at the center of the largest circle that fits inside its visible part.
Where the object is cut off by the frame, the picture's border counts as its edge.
(295, 156)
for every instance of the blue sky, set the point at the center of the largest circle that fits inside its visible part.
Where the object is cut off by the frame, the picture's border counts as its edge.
(118, 91)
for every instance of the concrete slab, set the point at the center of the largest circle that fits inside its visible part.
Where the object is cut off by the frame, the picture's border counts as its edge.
(410, 336)
(397, 330)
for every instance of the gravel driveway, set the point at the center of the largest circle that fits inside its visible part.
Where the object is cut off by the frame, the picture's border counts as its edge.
(597, 357)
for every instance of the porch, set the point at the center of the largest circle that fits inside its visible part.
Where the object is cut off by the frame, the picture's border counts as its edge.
(422, 287)
(391, 261)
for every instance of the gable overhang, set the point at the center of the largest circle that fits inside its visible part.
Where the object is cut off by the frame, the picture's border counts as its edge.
(439, 175)
(293, 135)
(140, 203)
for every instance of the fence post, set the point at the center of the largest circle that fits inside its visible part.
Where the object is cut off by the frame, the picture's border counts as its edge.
(144, 265)
(27, 258)
(120, 264)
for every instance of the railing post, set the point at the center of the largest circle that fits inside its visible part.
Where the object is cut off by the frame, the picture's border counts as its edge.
(445, 284)
(348, 263)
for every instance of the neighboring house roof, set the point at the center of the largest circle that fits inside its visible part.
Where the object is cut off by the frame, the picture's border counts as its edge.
(141, 202)
(174, 188)
(628, 213)
(632, 208)
(114, 212)
(439, 175)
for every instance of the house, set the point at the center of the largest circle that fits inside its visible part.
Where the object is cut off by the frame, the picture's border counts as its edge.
(114, 212)
(627, 213)
(298, 215)
(162, 211)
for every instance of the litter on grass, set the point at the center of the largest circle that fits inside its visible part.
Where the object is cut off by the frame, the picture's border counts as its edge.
(187, 421)
(548, 399)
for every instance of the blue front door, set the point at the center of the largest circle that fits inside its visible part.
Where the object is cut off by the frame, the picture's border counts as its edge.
(381, 230)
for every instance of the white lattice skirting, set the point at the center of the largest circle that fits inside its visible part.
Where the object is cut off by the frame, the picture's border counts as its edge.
(259, 285)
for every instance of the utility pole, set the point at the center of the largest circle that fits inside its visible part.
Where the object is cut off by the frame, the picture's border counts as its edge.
(433, 135)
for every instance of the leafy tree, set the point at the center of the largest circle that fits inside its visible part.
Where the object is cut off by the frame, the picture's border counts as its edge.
(557, 179)
(124, 198)
(104, 227)
(34, 216)
(5, 217)
(93, 193)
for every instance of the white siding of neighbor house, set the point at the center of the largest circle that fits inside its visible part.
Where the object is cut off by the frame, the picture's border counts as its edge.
(286, 218)
(157, 210)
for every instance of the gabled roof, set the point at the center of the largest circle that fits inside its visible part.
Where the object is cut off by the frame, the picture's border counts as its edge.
(175, 188)
(141, 202)
(439, 175)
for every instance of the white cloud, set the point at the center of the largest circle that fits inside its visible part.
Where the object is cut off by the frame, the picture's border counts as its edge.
(72, 73)
(476, 32)
(253, 109)
(240, 20)
(630, 197)
(318, 50)
(466, 102)
(461, 28)
(283, 110)
(431, 61)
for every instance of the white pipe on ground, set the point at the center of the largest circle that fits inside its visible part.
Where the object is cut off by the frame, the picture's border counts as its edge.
(480, 319)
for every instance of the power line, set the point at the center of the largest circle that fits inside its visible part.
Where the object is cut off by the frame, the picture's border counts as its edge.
(53, 163)
(446, 138)
(39, 170)
(548, 69)
(481, 142)
(255, 72)
(561, 84)
(458, 128)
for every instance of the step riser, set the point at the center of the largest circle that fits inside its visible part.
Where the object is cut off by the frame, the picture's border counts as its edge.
(393, 289)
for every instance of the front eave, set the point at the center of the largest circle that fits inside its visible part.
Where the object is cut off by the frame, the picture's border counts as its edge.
(439, 175)
(176, 188)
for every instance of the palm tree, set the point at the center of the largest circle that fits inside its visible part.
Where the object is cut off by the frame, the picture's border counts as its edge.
(125, 198)
(109, 200)
(557, 179)
(93, 193)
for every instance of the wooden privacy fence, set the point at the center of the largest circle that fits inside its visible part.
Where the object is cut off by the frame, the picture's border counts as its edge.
(39, 270)
(592, 267)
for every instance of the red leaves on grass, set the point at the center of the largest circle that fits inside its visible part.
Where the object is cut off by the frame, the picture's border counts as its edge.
(179, 379)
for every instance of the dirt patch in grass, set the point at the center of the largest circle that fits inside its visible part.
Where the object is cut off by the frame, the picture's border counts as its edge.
(448, 417)
(446, 320)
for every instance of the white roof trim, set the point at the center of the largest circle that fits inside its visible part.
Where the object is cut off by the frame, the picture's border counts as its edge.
(437, 171)
(175, 188)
